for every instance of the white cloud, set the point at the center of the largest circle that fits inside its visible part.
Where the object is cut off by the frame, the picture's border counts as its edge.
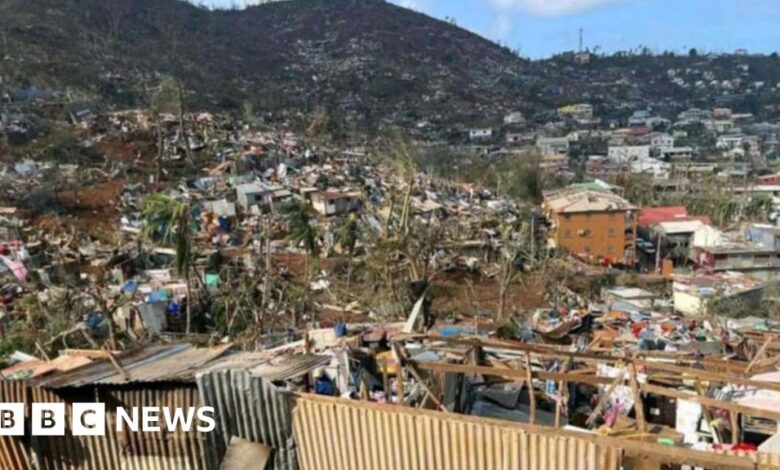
(503, 26)
(550, 7)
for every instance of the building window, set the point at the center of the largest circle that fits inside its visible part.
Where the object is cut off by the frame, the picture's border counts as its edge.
(566, 233)
(610, 249)
(567, 216)
(612, 232)
(612, 215)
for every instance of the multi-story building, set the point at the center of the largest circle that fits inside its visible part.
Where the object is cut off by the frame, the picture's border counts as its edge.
(593, 225)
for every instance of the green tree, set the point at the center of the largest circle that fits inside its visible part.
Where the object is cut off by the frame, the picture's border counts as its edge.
(167, 222)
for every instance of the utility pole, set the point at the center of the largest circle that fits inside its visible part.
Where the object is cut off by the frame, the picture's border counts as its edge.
(581, 33)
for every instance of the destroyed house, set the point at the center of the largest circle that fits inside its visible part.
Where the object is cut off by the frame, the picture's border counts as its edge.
(256, 194)
(758, 261)
(594, 225)
(330, 203)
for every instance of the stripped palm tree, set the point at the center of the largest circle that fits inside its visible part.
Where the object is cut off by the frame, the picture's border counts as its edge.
(760, 208)
(302, 231)
(167, 222)
(347, 236)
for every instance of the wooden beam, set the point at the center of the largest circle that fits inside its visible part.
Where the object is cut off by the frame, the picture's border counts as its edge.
(710, 376)
(760, 353)
(604, 397)
(413, 370)
(639, 407)
(517, 375)
(530, 384)
(117, 365)
(401, 389)
(716, 437)
(706, 401)
(563, 394)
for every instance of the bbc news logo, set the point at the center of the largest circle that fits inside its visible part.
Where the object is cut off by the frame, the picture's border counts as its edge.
(89, 419)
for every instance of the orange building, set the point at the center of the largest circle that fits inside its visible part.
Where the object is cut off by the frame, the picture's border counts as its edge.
(593, 225)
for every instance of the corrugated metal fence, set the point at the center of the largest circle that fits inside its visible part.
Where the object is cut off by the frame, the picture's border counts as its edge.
(251, 408)
(13, 450)
(339, 435)
(121, 450)
(124, 450)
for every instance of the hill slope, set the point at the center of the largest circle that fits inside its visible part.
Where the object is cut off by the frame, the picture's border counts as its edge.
(366, 59)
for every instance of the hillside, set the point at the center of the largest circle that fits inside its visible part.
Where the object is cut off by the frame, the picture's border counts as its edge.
(367, 60)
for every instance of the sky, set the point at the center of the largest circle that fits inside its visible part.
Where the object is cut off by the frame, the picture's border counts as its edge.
(541, 28)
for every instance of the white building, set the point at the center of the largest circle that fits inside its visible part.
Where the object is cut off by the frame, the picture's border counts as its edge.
(515, 117)
(677, 153)
(253, 194)
(730, 141)
(628, 153)
(480, 134)
(656, 168)
(552, 145)
(661, 141)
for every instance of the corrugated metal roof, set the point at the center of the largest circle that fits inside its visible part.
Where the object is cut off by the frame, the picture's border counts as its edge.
(168, 363)
(289, 367)
(37, 367)
(251, 408)
(587, 201)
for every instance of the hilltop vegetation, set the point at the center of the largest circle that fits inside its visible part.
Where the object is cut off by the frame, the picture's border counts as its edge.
(366, 63)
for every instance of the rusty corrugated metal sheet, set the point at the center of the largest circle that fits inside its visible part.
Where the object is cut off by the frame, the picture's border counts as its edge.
(167, 363)
(124, 450)
(36, 368)
(14, 452)
(251, 408)
(289, 367)
(339, 435)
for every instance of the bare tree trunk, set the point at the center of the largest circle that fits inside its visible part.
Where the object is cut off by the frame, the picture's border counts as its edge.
(349, 271)
(407, 202)
(182, 127)
(266, 284)
(389, 216)
(502, 292)
(189, 304)
(159, 172)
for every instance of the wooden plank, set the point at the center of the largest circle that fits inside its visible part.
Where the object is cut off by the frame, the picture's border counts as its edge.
(563, 395)
(760, 353)
(604, 397)
(531, 392)
(639, 407)
(511, 374)
(706, 401)
(428, 391)
(711, 376)
(716, 437)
